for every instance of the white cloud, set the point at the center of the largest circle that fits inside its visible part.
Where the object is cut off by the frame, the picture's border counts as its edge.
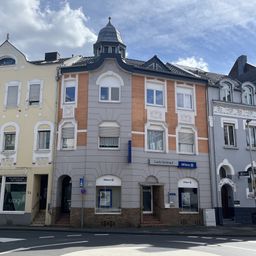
(33, 29)
(193, 62)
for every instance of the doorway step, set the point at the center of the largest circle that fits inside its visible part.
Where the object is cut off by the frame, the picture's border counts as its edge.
(149, 220)
(228, 222)
(39, 220)
(63, 221)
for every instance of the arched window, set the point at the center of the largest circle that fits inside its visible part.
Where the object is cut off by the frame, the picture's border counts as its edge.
(109, 87)
(226, 91)
(247, 95)
(5, 61)
(223, 173)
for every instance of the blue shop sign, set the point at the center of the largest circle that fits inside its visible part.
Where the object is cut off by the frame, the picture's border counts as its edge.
(185, 164)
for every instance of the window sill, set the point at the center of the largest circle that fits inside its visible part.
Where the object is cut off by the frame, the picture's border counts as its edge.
(185, 109)
(231, 147)
(154, 105)
(43, 151)
(108, 213)
(69, 103)
(67, 149)
(252, 148)
(8, 152)
(109, 101)
(155, 151)
(12, 212)
(111, 149)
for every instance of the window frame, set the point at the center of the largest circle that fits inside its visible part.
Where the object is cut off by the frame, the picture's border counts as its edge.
(65, 85)
(192, 185)
(7, 65)
(12, 84)
(67, 124)
(4, 141)
(38, 138)
(229, 124)
(156, 127)
(155, 86)
(109, 90)
(35, 82)
(109, 124)
(188, 130)
(250, 92)
(225, 87)
(183, 90)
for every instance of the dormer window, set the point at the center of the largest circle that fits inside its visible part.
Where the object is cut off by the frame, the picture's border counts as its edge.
(226, 92)
(247, 95)
(7, 61)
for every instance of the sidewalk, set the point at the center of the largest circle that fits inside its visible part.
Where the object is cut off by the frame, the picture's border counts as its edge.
(241, 230)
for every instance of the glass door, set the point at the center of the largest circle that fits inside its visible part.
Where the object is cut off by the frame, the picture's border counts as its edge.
(147, 199)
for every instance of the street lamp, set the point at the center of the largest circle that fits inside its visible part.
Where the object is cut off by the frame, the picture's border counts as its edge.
(250, 150)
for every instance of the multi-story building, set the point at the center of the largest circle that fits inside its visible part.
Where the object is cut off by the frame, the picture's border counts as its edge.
(232, 133)
(28, 92)
(132, 140)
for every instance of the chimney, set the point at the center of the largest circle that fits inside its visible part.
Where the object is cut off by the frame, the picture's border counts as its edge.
(241, 61)
(51, 56)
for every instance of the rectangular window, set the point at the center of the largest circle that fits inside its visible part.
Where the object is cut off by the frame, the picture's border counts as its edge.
(184, 98)
(229, 135)
(68, 137)
(69, 92)
(15, 194)
(9, 140)
(110, 94)
(43, 140)
(186, 142)
(108, 199)
(109, 133)
(155, 140)
(252, 131)
(12, 96)
(188, 199)
(34, 94)
(155, 97)
(109, 142)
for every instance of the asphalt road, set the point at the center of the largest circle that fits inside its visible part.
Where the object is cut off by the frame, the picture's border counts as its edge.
(47, 243)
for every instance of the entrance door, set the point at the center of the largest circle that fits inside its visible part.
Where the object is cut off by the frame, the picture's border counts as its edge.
(43, 192)
(66, 195)
(227, 202)
(147, 199)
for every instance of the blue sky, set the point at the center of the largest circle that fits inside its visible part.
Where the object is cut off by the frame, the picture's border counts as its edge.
(208, 34)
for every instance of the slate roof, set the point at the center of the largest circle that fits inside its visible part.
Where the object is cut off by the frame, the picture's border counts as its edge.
(43, 62)
(109, 34)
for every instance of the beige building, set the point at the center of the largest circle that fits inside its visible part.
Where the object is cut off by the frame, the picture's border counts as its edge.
(28, 93)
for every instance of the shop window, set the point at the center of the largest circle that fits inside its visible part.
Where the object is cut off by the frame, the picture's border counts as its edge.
(108, 194)
(188, 195)
(14, 194)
